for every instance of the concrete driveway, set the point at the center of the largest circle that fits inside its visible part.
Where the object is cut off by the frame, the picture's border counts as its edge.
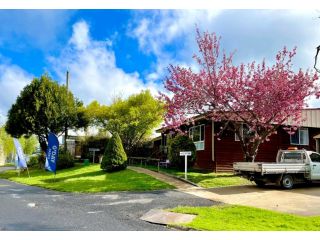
(302, 200)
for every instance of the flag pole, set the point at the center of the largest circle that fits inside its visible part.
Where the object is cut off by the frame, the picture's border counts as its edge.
(28, 172)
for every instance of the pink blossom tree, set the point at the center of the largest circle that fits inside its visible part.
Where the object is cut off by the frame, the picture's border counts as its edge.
(254, 97)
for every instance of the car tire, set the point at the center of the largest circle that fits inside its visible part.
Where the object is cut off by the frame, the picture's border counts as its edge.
(287, 182)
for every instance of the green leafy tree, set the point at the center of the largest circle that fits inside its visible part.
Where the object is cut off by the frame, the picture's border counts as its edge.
(133, 118)
(114, 157)
(6, 141)
(96, 113)
(44, 106)
(179, 144)
(29, 144)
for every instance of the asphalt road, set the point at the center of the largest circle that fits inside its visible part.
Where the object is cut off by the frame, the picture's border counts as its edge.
(32, 208)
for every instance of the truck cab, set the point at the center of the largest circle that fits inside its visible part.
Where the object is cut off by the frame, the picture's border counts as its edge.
(314, 165)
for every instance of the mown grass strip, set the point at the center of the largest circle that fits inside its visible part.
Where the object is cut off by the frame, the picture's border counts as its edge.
(88, 179)
(204, 179)
(241, 218)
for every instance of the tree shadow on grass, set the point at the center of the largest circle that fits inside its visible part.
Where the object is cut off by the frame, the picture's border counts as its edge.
(197, 177)
(80, 175)
(116, 181)
(200, 178)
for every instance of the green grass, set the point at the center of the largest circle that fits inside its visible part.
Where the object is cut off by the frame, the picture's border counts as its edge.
(204, 179)
(241, 218)
(8, 165)
(88, 179)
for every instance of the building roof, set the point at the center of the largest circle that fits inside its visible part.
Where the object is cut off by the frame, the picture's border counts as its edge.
(311, 118)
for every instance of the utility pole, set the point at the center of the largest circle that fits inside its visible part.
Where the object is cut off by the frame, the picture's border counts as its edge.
(66, 126)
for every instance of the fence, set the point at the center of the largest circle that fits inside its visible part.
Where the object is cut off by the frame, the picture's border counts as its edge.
(144, 161)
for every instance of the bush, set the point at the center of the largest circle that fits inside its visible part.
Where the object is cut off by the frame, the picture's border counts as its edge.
(65, 160)
(178, 144)
(33, 161)
(93, 142)
(114, 157)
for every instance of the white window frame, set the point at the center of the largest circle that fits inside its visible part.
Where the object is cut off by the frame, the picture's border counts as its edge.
(197, 142)
(298, 131)
(236, 138)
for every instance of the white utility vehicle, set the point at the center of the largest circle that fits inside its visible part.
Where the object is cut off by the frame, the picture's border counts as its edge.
(291, 166)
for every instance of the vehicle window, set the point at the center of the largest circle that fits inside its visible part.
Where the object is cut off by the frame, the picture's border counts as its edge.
(315, 157)
(293, 157)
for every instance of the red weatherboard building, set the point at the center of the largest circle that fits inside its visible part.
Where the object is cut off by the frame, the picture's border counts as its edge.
(219, 155)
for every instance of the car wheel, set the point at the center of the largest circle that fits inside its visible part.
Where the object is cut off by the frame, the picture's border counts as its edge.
(287, 182)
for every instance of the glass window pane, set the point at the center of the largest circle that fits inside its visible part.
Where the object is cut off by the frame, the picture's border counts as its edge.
(292, 156)
(199, 145)
(190, 133)
(315, 157)
(202, 133)
(295, 137)
(304, 138)
(196, 134)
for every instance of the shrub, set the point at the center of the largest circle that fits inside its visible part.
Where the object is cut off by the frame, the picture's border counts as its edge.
(114, 157)
(178, 144)
(33, 161)
(93, 142)
(65, 160)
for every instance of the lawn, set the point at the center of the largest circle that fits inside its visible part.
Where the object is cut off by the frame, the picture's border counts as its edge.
(8, 165)
(241, 218)
(88, 179)
(204, 179)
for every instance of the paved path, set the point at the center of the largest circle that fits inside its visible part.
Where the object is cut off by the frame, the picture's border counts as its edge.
(32, 208)
(179, 184)
(302, 200)
(2, 169)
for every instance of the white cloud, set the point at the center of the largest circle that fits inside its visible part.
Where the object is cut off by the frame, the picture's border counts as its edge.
(162, 28)
(94, 74)
(254, 34)
(80, 38)
(12, 81)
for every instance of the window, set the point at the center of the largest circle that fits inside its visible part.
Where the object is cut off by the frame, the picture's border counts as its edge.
(293, 157)
(300, 137)
(236, 138)
(197, 135)
(315, 157)
(244, 132)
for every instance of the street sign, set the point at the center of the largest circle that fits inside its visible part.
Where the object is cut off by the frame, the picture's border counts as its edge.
(185, 153)
(94, 149)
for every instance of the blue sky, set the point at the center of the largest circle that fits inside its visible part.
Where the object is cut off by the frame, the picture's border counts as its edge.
(120, 52)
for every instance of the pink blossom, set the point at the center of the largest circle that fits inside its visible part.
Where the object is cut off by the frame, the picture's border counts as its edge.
(260, 95)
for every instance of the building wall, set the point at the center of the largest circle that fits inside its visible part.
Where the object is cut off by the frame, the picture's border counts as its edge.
(227, 150)
(204, 157)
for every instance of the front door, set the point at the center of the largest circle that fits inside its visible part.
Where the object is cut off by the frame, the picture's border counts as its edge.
(315, 166)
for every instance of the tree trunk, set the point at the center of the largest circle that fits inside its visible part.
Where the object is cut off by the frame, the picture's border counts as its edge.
(252, 151)
(65, 138)
(249, 158)
(44, 146)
